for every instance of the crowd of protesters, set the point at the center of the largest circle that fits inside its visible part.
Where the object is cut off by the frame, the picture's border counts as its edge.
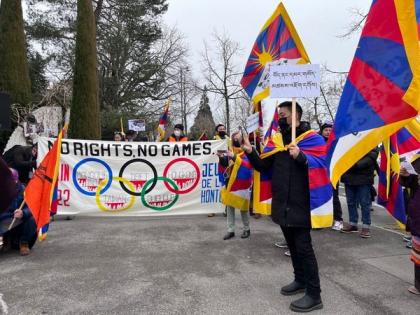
(290, 202)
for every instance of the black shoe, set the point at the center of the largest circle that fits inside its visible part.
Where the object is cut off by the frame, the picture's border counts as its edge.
(306, 304)
(246, 234)
(292, 288)
(228, 236)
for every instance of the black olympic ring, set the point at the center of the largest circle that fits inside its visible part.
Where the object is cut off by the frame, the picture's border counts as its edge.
(155, 177)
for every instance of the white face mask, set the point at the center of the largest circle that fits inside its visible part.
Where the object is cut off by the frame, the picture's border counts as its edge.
(177, 133)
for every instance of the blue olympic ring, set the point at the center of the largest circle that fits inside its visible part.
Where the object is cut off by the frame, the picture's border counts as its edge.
(76, 184)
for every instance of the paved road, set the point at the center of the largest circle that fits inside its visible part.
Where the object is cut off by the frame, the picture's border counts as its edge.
(181, 266)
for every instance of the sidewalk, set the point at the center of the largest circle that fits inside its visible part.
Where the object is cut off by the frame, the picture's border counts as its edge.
(181, 265)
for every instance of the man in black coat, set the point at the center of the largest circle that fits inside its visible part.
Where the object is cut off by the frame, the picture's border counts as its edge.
(358, 181)
(291, 208)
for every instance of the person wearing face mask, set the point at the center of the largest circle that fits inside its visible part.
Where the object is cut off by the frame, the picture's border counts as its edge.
(178, 135)
(291, 207)
(227, 160)
(220, 132)
(325, 132)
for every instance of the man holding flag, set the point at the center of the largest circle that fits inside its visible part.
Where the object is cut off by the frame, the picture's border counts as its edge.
(292, 200)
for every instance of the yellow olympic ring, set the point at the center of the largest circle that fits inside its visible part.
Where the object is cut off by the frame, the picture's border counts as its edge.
(103, 183)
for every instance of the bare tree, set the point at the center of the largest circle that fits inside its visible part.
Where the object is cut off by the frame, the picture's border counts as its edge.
(242, 109)
(358, 20)
(221, 72)
(323, 108)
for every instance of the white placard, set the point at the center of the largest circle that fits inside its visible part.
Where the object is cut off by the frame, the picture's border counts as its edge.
(136, 125)
(408, 166)
(252, 123)
(294, 81)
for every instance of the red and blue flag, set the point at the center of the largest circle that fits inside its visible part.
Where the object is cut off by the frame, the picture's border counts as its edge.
(163, 121)
(237, 192)
(278, 42)
(382, 91)
(404, 144)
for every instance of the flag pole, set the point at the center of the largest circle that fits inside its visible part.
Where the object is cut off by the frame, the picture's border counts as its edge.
(14, 219)
(293, 119)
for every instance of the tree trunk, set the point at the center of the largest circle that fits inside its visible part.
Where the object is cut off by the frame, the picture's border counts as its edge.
(85, 113)
(14, 70)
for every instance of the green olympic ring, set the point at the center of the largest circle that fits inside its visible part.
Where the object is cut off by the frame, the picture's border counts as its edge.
(150, 182)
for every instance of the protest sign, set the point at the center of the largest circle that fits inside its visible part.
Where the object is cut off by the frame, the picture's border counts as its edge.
(137, 178)
(252, 123)
(136, 125)
(294, 81)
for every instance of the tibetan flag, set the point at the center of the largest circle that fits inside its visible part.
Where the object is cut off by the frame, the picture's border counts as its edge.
(382, 91)
(320, 189)
(262, 182)
(163, 121)
(277, 43)
(40, 189)
(237, 193)
(405, 144)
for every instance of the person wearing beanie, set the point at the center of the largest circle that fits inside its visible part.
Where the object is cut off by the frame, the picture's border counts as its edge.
(178, 134)
(325, 132)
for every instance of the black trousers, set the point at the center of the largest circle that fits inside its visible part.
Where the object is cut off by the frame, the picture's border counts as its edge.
(338, 212)
(304, 262)
(417, 277)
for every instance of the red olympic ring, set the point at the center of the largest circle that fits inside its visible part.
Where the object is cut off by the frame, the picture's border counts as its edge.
(196, 168)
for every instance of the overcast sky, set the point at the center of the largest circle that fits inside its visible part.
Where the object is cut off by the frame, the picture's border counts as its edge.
(319, 23)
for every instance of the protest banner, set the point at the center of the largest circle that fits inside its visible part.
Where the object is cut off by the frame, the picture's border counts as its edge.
(137, 179)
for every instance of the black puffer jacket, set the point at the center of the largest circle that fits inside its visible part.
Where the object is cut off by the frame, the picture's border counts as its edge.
(363, 172)
(290, 183)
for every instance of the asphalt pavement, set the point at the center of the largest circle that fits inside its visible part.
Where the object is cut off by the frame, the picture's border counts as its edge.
(181, 265)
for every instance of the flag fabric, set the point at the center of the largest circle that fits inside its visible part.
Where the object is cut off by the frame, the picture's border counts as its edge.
(320, 189)
(40, 189)
(43, 231)
(203, 137)
(404, 144)
(381, 94)
(273, 143)
(278, 42)
(163, 121)
(237, 192)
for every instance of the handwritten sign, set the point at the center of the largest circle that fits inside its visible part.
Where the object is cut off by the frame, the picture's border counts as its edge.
(294, 81)
(137, 125)
(252, 123)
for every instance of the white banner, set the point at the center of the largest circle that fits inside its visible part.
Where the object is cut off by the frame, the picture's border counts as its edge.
(137, 178)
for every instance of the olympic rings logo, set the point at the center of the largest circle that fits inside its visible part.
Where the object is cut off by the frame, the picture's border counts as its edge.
(95, 187)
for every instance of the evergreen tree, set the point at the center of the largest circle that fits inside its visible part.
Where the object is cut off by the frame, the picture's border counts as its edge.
(39, 81)
(204, 121)
(14, 71)
(85, 114)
